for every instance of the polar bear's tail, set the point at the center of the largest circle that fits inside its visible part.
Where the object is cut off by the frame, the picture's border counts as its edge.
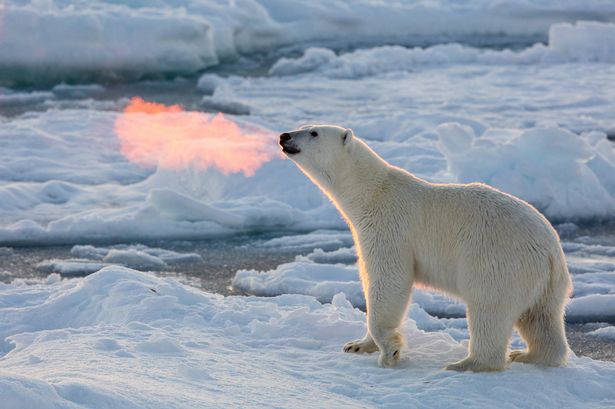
(542, 326)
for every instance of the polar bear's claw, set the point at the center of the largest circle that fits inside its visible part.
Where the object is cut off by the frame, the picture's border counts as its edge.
(389, 360)
(518, 356)
(361, 346)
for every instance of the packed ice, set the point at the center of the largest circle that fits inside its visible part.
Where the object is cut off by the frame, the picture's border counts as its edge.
(452, 91)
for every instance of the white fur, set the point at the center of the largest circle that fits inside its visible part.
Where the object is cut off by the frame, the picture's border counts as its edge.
(490, 249)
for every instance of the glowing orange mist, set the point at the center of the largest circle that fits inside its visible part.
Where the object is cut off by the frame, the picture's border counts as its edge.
(153, 134)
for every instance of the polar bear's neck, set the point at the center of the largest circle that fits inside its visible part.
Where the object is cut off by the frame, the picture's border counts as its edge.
(358, 181)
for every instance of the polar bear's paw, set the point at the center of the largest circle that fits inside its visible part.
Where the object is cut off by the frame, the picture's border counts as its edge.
(391, 350)
(471, 364)
(543, 359)
(389, 359)
(361, 346)
(521, 356)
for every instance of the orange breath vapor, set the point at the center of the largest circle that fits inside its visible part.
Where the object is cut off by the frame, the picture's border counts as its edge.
(153, 134)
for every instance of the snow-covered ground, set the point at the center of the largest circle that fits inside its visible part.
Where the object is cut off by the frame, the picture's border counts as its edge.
(147, 342)
(83, 163)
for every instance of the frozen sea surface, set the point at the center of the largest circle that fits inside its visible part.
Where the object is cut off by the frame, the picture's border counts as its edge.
(107, 259)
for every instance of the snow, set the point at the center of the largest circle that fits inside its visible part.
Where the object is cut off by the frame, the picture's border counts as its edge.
(111, 39)
(585, 41)
(344, 255)
(607, 333)
(324, 280)
(209, 350)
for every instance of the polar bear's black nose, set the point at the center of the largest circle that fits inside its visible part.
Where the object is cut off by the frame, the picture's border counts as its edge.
(284, 137)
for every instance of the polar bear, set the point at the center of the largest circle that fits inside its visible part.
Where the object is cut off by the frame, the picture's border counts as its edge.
(490, 249)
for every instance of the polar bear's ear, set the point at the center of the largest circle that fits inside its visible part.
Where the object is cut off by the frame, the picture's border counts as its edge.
(347, 136)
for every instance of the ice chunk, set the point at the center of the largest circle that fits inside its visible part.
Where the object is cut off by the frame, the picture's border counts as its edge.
(548, 167)
(327, 240)
(181, 207)
(228, 107)
(591, 308)
(69, 267)
(135, 259)
(208, 83)
(344, 255)
(607, 333)
(167, 256)
(584, 41)
(77, 91)
(108, 40)
(8, 99)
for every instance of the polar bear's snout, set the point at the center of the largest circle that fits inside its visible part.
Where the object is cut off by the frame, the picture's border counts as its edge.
(288, 145)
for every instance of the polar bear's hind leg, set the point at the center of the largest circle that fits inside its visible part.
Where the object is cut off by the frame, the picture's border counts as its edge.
(542, 326)
(490, 330)
(544, 334)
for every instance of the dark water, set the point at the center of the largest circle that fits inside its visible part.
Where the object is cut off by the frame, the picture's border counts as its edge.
(223, 257)
(221, 260)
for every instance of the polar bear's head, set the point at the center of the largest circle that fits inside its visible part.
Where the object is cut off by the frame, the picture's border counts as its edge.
(319, 150)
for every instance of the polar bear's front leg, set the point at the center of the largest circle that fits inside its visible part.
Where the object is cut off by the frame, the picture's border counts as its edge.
(387, 299)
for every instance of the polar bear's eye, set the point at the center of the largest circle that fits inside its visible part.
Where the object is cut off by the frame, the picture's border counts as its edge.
(314, 133)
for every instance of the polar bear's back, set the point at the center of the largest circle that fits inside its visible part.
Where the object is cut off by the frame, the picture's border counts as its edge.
(488, 212)
(473, 232)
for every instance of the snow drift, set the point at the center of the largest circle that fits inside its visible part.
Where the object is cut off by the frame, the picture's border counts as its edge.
(158, 344)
